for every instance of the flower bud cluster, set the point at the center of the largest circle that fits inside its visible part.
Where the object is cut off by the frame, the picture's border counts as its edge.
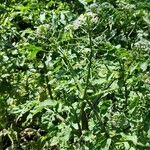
(82, 20)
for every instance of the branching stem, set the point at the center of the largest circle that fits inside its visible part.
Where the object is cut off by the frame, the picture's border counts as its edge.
(84, 117)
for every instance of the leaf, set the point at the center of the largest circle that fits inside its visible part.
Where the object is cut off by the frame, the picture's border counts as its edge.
(62, 18)
(85, 2)
(42, 17)
(147, 20)
(66, 133)
(132, 148)
(133, 68)
(66, 36)
(29, 118)
(22, 8)
(33, 50)
(144, 66)
(54, 141)
(89, 1)
(126, 145)
(132, 138)
(108, 143)
(48, 103)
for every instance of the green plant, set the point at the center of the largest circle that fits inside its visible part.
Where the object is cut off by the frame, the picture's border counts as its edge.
(74, 74)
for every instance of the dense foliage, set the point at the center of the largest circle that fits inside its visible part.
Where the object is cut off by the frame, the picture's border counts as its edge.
(74, 75)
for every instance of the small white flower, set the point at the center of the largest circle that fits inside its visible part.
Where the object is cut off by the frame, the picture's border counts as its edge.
(92, 16)
(81, 20)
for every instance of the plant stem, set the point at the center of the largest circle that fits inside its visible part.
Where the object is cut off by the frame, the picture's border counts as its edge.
(84, 116)
(126, 95)
(78, 122)
(47, 81)
(122, 69)
(72, 72)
